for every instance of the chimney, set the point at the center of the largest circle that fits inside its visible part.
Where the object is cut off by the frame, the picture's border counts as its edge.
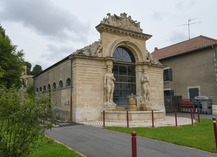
(155, 49)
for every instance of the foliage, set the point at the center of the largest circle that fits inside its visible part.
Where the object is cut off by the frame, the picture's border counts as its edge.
(28, 67)
(36, 69)
(49, 148)
(198, 136)
(11, 62)
(30, 90)
(23, 121)
(1, 72)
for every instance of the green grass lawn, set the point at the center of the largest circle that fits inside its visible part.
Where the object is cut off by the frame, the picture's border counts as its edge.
(48, 148)
(200, 136)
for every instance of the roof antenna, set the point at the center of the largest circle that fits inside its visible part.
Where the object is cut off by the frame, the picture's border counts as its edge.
(189, 24)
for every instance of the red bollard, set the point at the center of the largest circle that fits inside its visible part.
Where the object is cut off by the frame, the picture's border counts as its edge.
(192, 119)
(127, 119)
(134, 150)
(103, 118)
(215, 130)
(198, 114)
(175, 117)
(152, 117)
(193, 112)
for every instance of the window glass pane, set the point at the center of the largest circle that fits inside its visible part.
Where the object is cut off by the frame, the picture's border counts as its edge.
(115, 70)
(131, 70)
(123, 79)
(116, 86)
(122, 70)
(168, 75)
(131, 79)
(123, 54)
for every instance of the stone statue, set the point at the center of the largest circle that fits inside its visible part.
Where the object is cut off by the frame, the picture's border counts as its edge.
(151, 59)
(145, 87)
(109, 85)
(91, 50)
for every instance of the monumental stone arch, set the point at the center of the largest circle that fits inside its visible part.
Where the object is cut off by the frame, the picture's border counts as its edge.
(114, 74)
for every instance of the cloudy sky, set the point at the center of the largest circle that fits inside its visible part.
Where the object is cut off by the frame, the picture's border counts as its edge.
(49, 30)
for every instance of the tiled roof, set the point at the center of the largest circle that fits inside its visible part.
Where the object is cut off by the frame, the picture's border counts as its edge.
(187, 46)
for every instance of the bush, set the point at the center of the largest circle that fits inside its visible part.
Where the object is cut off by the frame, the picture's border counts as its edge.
(23, 120)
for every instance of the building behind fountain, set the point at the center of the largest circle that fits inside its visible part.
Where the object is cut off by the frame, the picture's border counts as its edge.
(106, 75)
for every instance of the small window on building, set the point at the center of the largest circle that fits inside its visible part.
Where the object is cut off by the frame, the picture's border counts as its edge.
(168, 93)
(168, 74)
(40, 89)
(60, 84)
(68, 82)
(54, 86)
(36, 89)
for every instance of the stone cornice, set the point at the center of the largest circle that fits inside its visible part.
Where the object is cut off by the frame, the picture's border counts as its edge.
(72, 57)
(148, 63)
(116, 30)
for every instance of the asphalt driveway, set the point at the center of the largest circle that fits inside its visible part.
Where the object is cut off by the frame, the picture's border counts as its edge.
(97, 142)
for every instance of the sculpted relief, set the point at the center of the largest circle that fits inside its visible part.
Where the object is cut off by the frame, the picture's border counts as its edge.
(91, 50)
(122, 21)
(151, 59)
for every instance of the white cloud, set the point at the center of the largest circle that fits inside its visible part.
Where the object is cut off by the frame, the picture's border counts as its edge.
(49, 30)
(45, 18)
(55, 52)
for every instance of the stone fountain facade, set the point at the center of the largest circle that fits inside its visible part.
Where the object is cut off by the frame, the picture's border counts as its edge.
(115, 74)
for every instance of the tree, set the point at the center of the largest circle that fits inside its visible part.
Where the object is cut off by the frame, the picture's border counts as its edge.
(36, 69)
(30, 90)
(28, 67)
(23, 120)
(11, 62)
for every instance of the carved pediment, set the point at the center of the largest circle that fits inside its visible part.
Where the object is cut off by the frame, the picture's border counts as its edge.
(122, 21)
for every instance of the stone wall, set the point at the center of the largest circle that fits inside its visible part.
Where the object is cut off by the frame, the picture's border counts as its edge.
(88, 88)
(60, 95)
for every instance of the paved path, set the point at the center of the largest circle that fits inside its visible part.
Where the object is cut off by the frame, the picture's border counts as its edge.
(97, 142)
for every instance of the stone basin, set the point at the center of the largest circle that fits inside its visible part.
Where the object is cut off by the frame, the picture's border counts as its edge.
(115, 116)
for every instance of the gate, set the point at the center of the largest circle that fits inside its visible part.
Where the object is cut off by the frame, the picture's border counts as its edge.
(171, 103)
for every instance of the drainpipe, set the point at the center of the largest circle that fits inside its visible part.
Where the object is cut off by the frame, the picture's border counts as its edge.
(34, 86)
(71, 90)
(214, 48)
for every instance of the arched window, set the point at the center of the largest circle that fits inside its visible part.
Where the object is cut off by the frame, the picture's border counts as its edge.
(44, 88)
(36, 89)
(54, 86)
(48, 87)
(123, 54)
(68, 82)
(124, 73)
(40, 89)
(60, 84)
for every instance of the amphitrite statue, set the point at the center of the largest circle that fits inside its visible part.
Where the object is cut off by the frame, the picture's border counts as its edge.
(145, 91)
(145, 87)
(109, 88)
